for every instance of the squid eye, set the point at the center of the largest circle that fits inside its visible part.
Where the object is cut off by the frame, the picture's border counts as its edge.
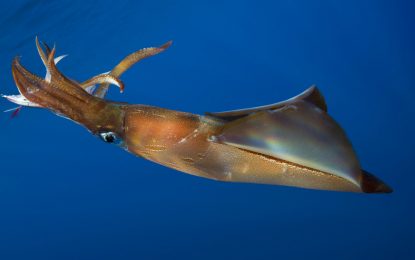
(109, 137)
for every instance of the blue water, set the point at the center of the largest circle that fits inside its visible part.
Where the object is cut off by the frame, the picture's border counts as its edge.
(64, 194)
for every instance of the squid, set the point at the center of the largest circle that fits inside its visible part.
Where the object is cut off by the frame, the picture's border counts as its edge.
(293, 142)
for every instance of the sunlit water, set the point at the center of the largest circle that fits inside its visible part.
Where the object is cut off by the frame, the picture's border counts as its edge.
(64, 194)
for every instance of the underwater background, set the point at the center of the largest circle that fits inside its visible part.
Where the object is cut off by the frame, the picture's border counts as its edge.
(64, 194)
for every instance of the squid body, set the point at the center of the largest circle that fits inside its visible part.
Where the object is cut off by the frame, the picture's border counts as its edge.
(293, 142)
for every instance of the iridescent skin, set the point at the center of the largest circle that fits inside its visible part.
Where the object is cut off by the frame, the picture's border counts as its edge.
(181, 141)
(292, 143)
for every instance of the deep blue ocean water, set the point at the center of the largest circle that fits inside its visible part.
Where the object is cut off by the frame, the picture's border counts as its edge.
(64, 194)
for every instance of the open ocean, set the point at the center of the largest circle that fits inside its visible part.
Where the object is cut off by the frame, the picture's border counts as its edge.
(64, 194)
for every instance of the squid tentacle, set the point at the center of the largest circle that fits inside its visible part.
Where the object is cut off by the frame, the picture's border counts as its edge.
(127, 63)
(99, 79)
(47, 48)
(106, 79)
(103, 79)
(44, 57)
(42, 54)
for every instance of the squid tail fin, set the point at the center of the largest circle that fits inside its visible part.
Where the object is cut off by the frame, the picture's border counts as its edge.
(371, 184)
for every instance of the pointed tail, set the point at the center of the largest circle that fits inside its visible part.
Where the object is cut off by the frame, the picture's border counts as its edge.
(371, 184)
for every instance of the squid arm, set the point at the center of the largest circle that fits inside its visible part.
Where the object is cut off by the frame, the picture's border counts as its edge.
(104, 79)
(48, 56)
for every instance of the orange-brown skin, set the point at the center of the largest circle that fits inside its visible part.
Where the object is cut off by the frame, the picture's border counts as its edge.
(182, 141)
(179, 140)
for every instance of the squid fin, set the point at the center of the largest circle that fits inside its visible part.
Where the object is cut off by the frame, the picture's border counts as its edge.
(311, 95)
(299, 132)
